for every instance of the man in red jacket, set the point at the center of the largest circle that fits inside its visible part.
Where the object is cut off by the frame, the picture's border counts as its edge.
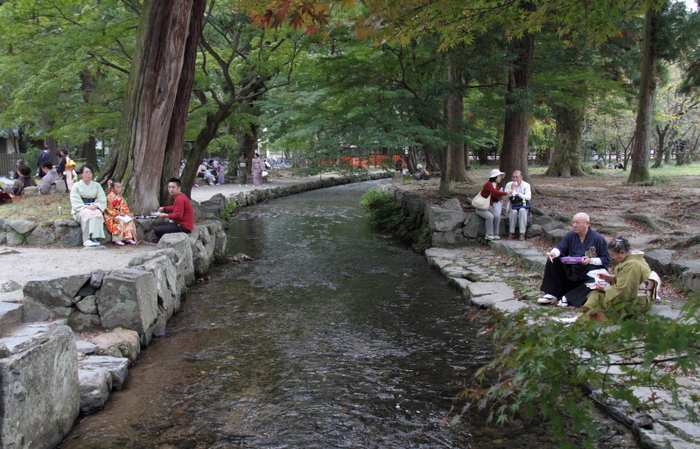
(181, 213)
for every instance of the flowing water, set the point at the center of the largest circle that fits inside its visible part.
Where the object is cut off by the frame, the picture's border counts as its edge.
(334, 336)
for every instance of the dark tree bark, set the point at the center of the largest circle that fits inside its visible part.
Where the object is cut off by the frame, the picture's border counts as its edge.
(147, 118)
(454, 164)
(176, 136)
(645, 112)
(661, 133)
(515, 133)
(566, 157)
(90, 152)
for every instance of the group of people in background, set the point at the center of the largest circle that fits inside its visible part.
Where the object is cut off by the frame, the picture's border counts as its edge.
(257, 168)
(576, 273)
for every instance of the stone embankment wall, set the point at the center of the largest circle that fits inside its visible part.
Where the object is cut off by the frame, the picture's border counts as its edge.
(450, 224)
(68, 233)
(43, 385)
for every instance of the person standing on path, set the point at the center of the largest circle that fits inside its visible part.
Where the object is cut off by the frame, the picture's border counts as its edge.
(242, 167)
(181, 213)
(45, 156)
(257, 166)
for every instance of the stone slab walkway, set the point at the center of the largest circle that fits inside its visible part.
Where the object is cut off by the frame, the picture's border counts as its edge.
(479, 272)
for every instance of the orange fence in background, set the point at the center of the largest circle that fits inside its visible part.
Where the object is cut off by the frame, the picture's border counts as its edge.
(364, 161)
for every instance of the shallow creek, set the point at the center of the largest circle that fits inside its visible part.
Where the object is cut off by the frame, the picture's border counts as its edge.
(334, 336)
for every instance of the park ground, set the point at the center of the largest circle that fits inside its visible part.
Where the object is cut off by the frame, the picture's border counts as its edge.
(673, 201)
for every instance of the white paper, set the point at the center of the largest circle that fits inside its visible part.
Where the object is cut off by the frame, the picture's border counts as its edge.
(124, 218)
(594, 275)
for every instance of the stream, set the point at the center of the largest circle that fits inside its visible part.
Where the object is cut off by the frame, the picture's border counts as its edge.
(335, 336)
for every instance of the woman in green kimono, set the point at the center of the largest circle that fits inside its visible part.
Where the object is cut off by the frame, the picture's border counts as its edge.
(622, 294)
(88, 201)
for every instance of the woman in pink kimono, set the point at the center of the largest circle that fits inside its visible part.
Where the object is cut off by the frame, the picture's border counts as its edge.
(257, 167)
(120, 223)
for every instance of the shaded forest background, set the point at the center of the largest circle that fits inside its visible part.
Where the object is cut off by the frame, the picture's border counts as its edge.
(446, 84)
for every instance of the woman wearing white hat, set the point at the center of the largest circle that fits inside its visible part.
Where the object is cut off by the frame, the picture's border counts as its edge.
(492, 215)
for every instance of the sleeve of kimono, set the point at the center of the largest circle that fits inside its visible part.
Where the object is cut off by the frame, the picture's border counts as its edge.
(76, 200)
(110, 209)
(100, 199)
(626, 284)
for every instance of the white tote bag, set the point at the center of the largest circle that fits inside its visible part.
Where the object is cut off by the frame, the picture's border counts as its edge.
(481, 203)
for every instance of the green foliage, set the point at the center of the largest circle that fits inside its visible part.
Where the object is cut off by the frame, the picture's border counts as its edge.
(542, 368)
(228, 210)
(385, 210)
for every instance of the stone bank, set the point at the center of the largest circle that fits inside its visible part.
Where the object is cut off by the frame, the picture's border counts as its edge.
(44, 386)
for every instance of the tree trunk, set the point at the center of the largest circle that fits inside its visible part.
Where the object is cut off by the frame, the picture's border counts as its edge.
(453, 167)
(90, 152)
(152, 89)
(661, 136)
(566, 157)
(515, 133)
(176, 135)
(645, 112)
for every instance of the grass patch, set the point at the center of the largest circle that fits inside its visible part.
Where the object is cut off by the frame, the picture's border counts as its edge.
(40, 209)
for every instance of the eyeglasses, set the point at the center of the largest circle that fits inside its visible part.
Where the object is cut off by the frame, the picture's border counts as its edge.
(578, 222)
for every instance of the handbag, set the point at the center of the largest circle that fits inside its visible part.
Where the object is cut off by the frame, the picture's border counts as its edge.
(516, 201)
(481, 203)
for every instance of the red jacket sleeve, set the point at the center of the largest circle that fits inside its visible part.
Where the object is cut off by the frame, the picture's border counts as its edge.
(489, 189)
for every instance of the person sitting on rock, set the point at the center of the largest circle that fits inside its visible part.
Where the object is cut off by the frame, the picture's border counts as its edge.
(421, 174)
(24, 180)
(181, 213)
(203, 172)
(622, 293)
(118, 218)
(49, 179)
(566, 283)
(518, 204)
(87, 201)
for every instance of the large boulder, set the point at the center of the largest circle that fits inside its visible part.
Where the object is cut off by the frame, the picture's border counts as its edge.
(167, 288)
(119, 343)
(444, 220)
(128, 298)
(660, 260)
(180, 243)
(95, 386)
(39, 389)
(20, 226)
(34, 311)
(41, 236)
(56, 291)
(474, 227)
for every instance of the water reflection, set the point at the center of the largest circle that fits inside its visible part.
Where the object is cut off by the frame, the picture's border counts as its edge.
(334, 336)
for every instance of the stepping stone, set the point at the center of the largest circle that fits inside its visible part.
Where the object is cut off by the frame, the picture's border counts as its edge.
(510, 306)
(486, 294)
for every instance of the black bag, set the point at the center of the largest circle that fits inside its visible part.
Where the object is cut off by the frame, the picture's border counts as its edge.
(516, 201)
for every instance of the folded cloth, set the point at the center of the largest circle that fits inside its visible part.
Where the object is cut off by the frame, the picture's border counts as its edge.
(86, 214)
